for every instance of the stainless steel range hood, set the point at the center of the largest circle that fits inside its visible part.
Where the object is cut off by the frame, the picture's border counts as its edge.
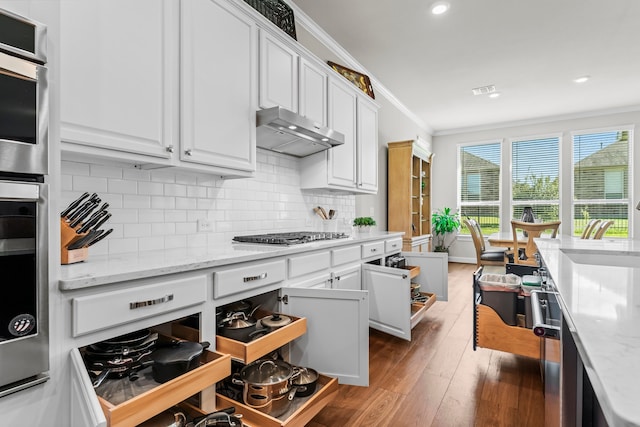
(287, 132)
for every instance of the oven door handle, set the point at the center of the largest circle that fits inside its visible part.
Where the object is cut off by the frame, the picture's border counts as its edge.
(540, 328)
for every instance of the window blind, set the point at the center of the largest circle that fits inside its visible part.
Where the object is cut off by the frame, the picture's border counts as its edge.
(535, 165)
(479, 190)
(601, 180)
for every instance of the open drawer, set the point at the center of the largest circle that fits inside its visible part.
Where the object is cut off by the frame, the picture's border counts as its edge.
(126, 403)
(247, 352)
(302, 409)
(418, 309)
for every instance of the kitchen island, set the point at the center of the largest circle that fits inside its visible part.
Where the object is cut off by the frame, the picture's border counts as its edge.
(599, 286)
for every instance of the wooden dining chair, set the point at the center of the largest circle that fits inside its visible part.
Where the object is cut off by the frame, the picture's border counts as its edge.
(483, 256)
(602, 229)
(589, 228)
(533, 230)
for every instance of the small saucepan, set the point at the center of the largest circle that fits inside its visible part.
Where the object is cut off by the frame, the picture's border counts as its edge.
(306, 381)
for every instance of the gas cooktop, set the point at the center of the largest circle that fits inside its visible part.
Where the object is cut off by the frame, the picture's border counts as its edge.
(292, 238)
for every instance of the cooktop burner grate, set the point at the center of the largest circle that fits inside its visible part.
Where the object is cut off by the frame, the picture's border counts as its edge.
(292, 238)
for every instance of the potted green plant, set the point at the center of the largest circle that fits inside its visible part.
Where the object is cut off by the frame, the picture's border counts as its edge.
(444, 223)
(364, 223)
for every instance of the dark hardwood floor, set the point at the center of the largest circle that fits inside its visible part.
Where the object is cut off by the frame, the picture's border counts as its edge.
(437, 379)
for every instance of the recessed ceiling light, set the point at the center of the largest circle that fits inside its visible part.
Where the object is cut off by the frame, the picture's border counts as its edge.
(293, 127)
(582, 79)
(494, 95)
(439, 7)
(483, 90)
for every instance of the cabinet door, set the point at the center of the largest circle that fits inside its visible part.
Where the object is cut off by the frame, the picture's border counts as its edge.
(342, 118)
(337, 338)
(434, 271)
(313, 92)
(348, 278)
(367, 135)
(278, 74)
(119, 77)
(218, 85)
(390, 299)
(85, 408)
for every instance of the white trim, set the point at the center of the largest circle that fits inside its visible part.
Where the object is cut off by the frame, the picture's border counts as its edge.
(323, 37)
(573, 133)
(538, 120)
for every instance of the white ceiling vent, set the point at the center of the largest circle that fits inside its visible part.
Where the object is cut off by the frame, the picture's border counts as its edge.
(483, 90)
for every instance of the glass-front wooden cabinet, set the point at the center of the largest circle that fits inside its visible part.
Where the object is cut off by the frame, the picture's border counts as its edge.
(409, 193)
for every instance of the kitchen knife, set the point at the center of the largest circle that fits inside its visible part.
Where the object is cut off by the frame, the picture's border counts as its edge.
(81, 241)
(84, 214)
(74, 204)
(82, 209)
(95, 221)
(100, 237)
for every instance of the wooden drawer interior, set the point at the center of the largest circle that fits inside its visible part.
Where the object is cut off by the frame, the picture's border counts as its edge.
(247, 352)
(418, 309)
(128, 403)
(302, 409)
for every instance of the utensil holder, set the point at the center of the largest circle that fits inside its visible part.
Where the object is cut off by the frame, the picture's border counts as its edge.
(330, 225)
(68, 235)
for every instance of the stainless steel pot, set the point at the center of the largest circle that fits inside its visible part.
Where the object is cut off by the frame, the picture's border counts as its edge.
(267, 385)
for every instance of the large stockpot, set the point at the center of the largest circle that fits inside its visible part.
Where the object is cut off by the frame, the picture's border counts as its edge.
(267, 385)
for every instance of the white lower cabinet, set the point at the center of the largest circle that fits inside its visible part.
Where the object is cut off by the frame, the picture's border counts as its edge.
(390, 289)
(337, 339)
(348, 277)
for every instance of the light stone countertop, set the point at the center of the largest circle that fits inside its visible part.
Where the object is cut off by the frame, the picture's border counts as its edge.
(105, 269)
(599, 286)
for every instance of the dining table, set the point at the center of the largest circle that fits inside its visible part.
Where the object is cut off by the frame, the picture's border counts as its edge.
(505, 239)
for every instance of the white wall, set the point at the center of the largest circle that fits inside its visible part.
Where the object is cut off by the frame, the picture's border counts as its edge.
(445, 165)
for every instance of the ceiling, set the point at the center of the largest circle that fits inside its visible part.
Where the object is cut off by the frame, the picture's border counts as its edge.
(531, 50)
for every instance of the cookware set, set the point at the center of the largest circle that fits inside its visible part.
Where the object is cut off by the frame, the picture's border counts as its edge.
(127, 354)
(238, 322)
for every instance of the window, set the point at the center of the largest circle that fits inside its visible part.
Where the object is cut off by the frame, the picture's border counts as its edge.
(479, 192)
(535, 165)
(601, 180)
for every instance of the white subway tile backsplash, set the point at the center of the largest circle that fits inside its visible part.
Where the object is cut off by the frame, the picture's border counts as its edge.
(122, 186)
(106, 171)
(151, 188)
(136, 202)
(175, 190)
(154, 209)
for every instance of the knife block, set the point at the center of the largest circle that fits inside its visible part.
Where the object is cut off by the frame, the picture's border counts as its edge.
(68, 235)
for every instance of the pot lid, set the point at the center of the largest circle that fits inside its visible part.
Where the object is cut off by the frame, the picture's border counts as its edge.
(306, 376)
(237, 321)
(276, 320)
(266, 372)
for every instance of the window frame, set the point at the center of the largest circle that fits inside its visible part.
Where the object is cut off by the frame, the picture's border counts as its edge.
(558, 201)
(497, 203)
(630, 168)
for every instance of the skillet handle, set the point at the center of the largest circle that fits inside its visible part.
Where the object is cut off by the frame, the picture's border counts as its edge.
(101, 377)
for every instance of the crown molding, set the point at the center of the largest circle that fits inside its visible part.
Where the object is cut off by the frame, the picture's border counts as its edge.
(323, 37)
(540, 120)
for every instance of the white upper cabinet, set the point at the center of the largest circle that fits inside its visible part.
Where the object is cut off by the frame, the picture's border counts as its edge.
(278, 73)
(313, 92)
(367, 145)
(160, 83)
(118, 78)
(352, 166)
(218, 86)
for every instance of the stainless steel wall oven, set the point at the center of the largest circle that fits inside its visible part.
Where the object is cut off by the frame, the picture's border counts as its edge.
(24, 117)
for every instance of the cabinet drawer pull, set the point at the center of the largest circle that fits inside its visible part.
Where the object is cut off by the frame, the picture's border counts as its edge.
(252, 278)
(138, 304)
(374, 249)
